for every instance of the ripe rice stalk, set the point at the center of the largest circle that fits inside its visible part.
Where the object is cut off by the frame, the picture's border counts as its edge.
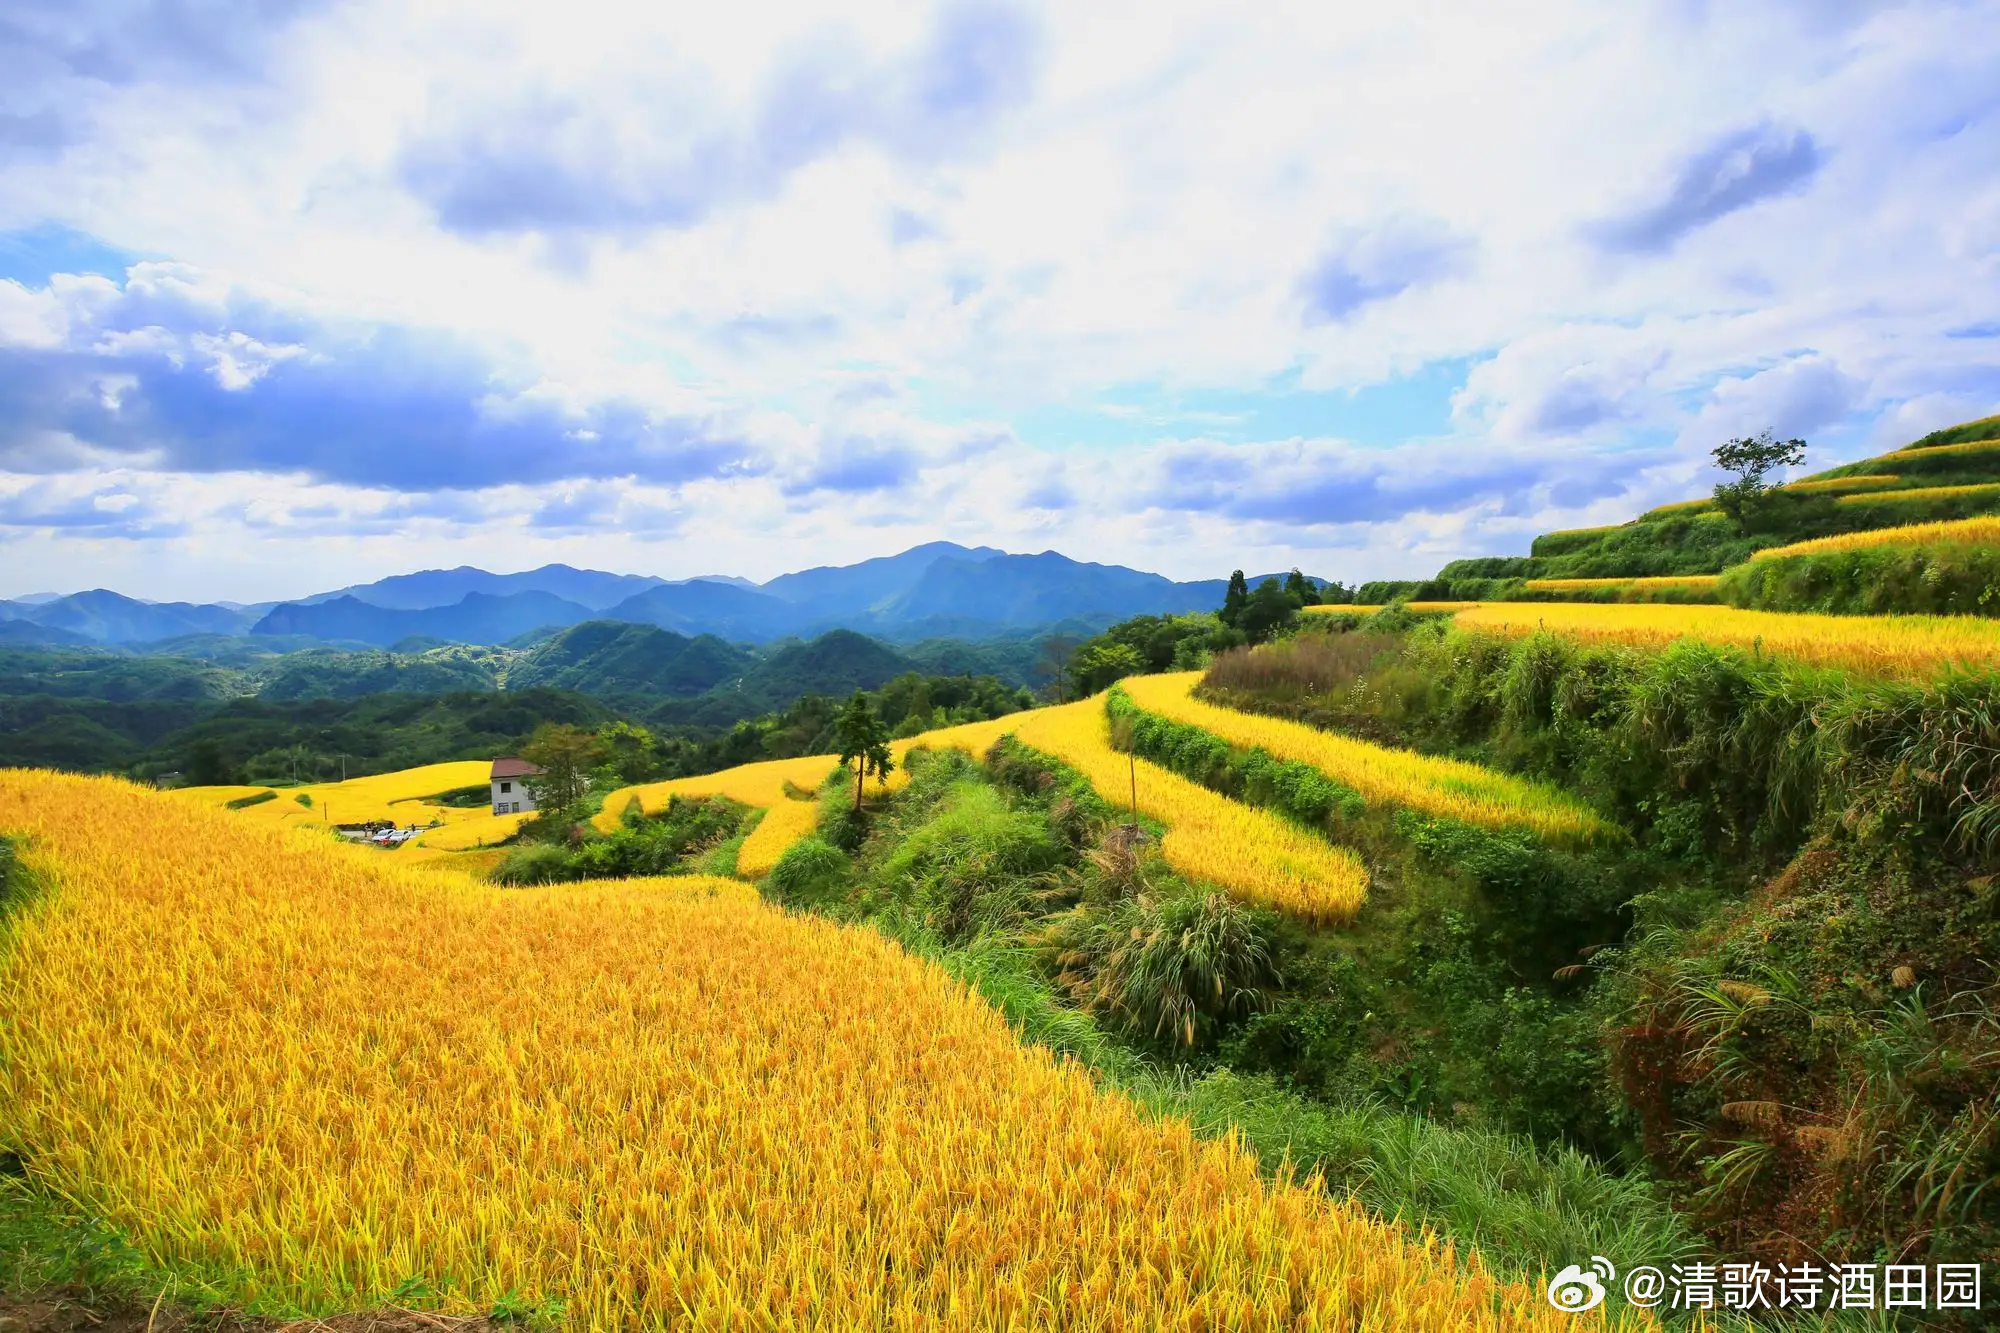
(783, 824)
(1451, 788)
(1950, 450)
(1210, 838)
(396, 798)
(1759, 1115)
(1874, 481)
(1922, 493)
(1901, 646)
(761, 784)
(1681, 507)
(1983, 531)
(313, 1073)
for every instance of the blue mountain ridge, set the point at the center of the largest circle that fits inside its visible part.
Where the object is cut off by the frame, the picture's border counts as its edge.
(935, 590)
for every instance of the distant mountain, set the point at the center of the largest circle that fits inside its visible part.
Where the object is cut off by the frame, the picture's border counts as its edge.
(844, 591)
(102, 616)
(608, 657)
(26, 633)
(474, 618)
(713, 608)
(1014, 591)
(836, 663)
(448, 587)
(938, 590)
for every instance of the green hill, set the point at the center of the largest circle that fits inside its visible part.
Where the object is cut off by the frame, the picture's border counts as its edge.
(609, 657)
(1948, 474)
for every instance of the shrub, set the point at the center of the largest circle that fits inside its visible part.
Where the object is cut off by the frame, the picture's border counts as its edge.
(974, 864)
(1165, 968)
(807, 873)
(1923, 579)
(534, 863)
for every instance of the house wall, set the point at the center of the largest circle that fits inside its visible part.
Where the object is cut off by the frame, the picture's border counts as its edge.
(515, 799)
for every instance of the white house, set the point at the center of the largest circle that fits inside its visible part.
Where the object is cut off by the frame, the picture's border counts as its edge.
(510, 795)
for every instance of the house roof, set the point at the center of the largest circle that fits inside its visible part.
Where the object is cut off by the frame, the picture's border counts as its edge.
(514, 768)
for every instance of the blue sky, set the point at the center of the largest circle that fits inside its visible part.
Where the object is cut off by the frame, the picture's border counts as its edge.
(295, 293)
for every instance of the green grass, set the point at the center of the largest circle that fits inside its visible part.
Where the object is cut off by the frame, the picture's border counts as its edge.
(956, 854)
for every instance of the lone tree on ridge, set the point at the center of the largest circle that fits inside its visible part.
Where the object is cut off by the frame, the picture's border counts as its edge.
(864, 741)
(1752, 459)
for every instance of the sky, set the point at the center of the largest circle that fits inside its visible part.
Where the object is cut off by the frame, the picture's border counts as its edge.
(298, 294)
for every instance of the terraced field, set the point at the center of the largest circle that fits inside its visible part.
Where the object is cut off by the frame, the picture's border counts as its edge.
(761, 784)
(1983, 531)
(1904, 646)
(1211, 838)
(314, 1077)
(398, 798)
(1445, 787)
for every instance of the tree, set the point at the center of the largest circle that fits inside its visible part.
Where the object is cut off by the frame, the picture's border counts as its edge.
(1233, 600)
(1268, 610)
(864, 742)
(205, 765)
(1054, 660)
(1301, 587)
(628, 749)
(566, 755)
(1103, 662)
(1752, 459)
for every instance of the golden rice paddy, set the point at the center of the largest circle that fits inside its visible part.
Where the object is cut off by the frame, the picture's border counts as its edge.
(1908, 646)
(1922, 493)
(470, 834)
(1680, 507)
(753, 784)
(782, 825)
(1835, 485)
(1951, 450)
(397, 798)
(1250, 852)
(1447, 787)
(1982, 531)
(312, 1075)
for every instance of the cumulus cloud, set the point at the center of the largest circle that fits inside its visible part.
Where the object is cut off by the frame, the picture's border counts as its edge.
(857, 464)
(1796, 398)
(1737, 170)
(855, 275)
(1576, 380)
(178, 372)
(1316, 482)
(651, 152)
(1379, 262)
(97, 512)
(58, 56)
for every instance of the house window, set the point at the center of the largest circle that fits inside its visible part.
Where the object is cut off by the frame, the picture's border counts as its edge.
(516, 810)
(506, 787)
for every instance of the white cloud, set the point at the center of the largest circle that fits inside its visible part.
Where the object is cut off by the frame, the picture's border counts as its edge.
(869, 243)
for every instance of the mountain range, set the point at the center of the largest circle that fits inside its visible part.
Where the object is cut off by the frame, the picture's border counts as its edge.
(936, 590)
